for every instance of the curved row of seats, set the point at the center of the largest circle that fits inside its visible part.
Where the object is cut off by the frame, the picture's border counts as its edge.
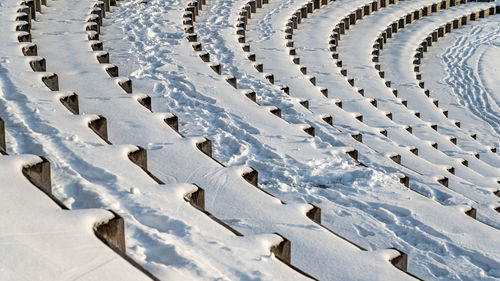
(241, 25)
(190, 15)
(471, 213)
(396, 26)
(240, 31)
(444, 180)
(137, 155)
(409, 17)
(440, 31)
(399, 24)
(336, 36)
(293, 23)
(109, 229)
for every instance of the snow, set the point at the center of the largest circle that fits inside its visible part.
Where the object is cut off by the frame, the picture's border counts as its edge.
(37, 235)
(365, 209)
(480, 109)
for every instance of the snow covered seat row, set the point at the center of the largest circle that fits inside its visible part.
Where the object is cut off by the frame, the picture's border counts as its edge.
(244, 16)
(62, 249)
(390, 115)
(252, 177)
(236, 221)
(51, 240)
(95, 20)
(138, 156)
(38, 64)
(188, 64)
(433, 37)
(471, 212)
(99, 124)
(399, 24)
(24, 16)
(49, 237)
(167, 153)
(190, 14)
(357, 136)
(293, 23)
(340, 29)
(240, 31)
(296, 19)
(443, 180)
(39, 175)
(416, 68)
(109, 229)
(440, 32)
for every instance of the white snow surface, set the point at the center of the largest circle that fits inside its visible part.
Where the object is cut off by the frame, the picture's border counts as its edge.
(38, 237)
(366, 211)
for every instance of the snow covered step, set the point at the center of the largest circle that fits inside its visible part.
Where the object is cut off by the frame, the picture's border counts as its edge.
(447, 30)
(170, 151)
(99, 127)
(245, 11)
(419, 132)
(456, 23)
(485, 149)
(370, 143)
(187, 64)
(39, 173)
(112, 232)
(51, 239)
(417, 15)
(471, 114)
(259, 67)
(281, 249)
(53, 108)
